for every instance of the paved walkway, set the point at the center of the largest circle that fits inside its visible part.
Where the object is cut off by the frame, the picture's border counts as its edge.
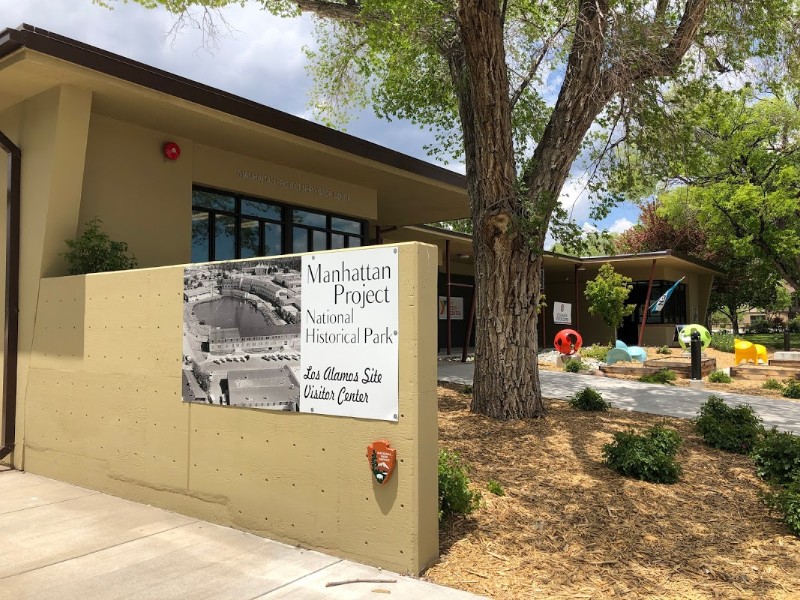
(61, 541)
(656, 399)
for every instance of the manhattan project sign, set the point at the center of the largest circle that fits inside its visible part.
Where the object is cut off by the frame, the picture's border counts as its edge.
(349, 334)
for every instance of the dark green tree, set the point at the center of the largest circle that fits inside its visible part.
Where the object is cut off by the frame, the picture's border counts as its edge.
(744, 281)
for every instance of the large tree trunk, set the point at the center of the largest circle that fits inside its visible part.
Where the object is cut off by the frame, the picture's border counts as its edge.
(734, 317)
(506, 381)
(509, 228)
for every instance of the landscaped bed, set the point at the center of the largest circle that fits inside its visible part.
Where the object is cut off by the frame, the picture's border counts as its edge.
(568, 527)
(723, 360)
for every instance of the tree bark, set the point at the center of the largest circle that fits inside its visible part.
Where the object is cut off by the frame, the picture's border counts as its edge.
(734, 317)
(506, 380)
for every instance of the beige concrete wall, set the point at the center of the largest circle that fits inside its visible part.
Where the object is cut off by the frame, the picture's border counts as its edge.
(234, 172)
(143, 198)
(52, 131)
(103, 410)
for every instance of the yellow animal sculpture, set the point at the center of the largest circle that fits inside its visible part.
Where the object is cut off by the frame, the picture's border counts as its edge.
(745, 351)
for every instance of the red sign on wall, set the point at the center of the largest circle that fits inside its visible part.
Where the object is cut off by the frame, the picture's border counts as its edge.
(382, 460)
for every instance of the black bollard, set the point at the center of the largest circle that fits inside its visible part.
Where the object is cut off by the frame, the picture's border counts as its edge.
(696, 346)
(786, 341)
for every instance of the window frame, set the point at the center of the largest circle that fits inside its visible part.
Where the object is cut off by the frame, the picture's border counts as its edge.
(286, 222)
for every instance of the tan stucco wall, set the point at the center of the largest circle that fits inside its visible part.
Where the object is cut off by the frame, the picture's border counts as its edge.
(228, 171)
(103, 410)
(51, 131)
(142, 198)
(145, 199)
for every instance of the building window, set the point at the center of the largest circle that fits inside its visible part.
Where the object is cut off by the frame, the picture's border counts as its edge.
(227, 226)
(674, 311)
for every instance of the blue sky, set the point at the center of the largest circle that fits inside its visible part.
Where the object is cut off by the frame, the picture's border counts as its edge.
(261, 59)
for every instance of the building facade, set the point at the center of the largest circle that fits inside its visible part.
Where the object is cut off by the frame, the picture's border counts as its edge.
(186, 173)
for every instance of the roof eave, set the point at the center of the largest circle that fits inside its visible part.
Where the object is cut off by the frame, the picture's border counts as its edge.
(114, 65)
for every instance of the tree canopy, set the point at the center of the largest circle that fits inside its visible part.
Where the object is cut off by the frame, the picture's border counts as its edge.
(514, 86)
(734, 165)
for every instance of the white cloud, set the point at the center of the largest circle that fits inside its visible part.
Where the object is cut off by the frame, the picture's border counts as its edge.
(575, 196)
(620, 225)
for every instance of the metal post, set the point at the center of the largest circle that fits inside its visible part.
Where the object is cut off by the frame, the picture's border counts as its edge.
(696, 348)
(787, 342)
(11, 331)
(470, 321)
(449, 298)
(647, 302)
(577, 307)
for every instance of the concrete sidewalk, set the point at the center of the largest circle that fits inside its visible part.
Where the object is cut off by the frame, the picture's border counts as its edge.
(61, 541)
(650, 398)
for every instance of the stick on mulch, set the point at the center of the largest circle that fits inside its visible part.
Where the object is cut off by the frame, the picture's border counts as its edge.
(347, 581)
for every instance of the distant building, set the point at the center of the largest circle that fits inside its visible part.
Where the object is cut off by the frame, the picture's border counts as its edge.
(195, 294)
(291, 280)
(194, 392)
(274, 389)
(271, 338)
(259, 286)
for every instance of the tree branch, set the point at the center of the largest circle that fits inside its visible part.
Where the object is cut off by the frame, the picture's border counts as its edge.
(535, 64)
(658, 63)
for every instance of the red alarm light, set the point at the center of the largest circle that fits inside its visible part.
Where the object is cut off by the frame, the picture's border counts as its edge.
(172, 151)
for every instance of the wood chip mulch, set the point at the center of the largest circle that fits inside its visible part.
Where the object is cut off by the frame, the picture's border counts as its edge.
(568, 527)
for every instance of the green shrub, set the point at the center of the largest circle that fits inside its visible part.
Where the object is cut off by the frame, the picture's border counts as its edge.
(772, 384)
(649, 455)
(467, 389)
(95, 252)
(722, 342)
(730, 429)
(787, 501)
(574, 366)
(719, 377)
(792, 389)
(596, 351)
(588, 399)
(664, 350)
(760, 327)
(794, 325)
(777, 457)
(495, 488)
(455, 497)
(665, 376)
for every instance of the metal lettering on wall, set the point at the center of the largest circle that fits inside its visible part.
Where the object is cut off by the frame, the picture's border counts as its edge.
(316, 335)
(293, 185)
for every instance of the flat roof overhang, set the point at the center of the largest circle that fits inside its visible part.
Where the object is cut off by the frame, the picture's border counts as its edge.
(409, 190)
(667, 258)
(553, 262)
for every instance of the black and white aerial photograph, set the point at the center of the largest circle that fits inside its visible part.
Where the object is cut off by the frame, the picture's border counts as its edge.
(241, 333)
